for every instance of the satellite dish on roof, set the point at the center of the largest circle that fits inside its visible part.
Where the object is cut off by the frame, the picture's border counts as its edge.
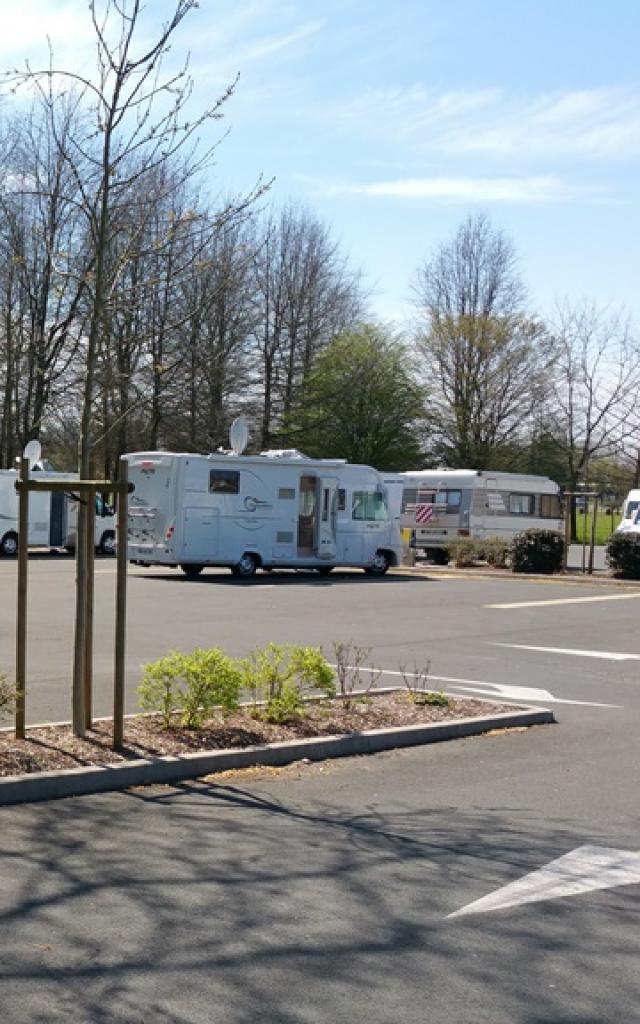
(239, 435)
(32, 452)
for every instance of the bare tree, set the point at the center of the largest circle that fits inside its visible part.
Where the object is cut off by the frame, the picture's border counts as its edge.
(307, 294)
(594, 390)
(485, 359)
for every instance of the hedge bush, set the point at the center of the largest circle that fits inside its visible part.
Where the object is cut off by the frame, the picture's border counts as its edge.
(537, 551)
(623, 555)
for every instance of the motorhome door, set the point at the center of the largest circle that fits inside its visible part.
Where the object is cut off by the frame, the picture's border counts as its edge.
(326, 519)
(307, 515)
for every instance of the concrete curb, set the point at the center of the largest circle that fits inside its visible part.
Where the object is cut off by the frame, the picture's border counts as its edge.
(572, 578)
(162, 770)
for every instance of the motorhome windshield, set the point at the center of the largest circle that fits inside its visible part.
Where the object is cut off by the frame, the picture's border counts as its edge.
(369, 506)
(631, 509)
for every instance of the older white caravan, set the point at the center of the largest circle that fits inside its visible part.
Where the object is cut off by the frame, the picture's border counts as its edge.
(52, 516)
(260, 511)
(439, 506)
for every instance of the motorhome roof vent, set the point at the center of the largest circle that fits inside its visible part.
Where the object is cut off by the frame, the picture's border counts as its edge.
(284, 453)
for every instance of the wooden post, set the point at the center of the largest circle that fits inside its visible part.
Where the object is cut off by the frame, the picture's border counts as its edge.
(121, 607)
(593, 534)
(21, 611)
(77, 700)
(88, 623)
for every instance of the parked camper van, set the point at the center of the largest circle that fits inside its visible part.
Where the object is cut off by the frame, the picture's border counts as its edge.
(268, 511)
(439, 506)
(629, 522)
(52, 516)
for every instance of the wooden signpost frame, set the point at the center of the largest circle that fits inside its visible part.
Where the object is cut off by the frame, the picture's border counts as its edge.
(83, 651)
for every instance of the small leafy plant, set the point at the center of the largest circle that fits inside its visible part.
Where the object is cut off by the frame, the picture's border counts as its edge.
(280, 675)
(196, 683)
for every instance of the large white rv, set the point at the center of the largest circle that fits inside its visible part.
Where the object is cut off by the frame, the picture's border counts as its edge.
(260, 511)
(52, 516)
(440, 506)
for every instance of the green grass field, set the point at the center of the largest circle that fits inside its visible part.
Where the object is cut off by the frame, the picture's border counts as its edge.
(605, 525)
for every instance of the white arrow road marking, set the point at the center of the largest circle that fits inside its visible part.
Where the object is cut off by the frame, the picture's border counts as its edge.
(607, 655)
(566, 600)
(508, 692)
(520, 693)
(583, 870)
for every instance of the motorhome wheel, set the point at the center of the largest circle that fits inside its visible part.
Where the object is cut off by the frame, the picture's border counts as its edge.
(379, 565)
(190, 570)
(246, 567)
(9, 545)
(107, 545)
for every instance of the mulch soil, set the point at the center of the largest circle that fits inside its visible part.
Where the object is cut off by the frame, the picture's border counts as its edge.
(52, 748)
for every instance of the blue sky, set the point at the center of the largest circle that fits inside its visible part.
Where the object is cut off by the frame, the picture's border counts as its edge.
(393, 122)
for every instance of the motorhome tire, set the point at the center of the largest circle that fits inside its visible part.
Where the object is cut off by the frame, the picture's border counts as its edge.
(246, 567)
(9, 545)
(438, 556)
(107, 545)
(379, 565)
(190, 571)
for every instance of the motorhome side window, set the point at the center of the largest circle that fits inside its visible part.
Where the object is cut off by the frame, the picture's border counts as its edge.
(521, 504)
(369, 506)
(342, 499)
(449, 498)
(224, 481)
(550, 506)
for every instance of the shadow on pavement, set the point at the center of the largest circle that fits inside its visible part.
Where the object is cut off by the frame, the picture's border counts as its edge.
(216, 903)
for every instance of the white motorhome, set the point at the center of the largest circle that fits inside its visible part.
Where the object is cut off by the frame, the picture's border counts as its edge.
(629, 522)
(52, 516)
(441, 505)
(269, 511)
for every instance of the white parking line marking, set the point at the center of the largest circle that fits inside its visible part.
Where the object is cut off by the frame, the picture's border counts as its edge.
(607, 655)
(583, 870)
(499, 690)
(566, 600)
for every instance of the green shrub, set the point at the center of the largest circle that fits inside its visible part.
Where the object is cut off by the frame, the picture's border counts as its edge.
(281, 674)
(8, 697)
(496, 552)
(212, 679)
(196, 683)
(537, 551)
(623, 555)
(464, 552)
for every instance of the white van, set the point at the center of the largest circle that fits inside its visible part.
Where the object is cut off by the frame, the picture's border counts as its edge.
(441, 505)
(630, 514)
(52, 516)
(260, 511)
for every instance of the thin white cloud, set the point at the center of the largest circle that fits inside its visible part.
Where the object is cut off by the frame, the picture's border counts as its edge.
(599, 124)
(529, 190)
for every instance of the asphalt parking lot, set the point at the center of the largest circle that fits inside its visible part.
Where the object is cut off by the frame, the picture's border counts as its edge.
(474, 633)
(485, 880)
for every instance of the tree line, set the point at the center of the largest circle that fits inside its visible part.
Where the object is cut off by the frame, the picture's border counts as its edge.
(139, 310)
